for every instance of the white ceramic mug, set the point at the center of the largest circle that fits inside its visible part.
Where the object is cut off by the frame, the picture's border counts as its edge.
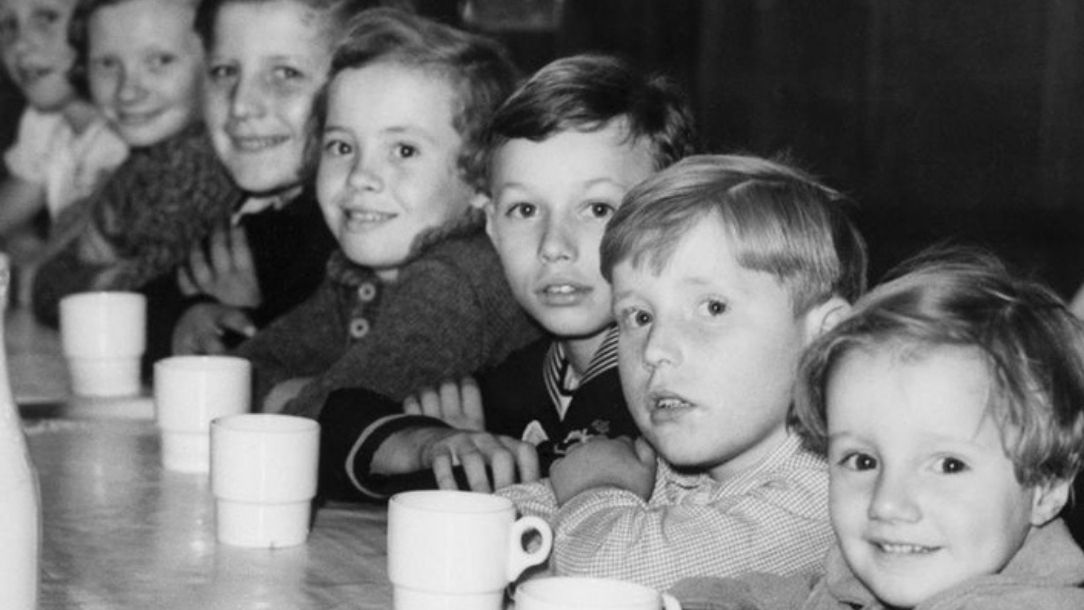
(189, 392)
(583, 593)
(458, 550)
(103, 336)
(263, 477)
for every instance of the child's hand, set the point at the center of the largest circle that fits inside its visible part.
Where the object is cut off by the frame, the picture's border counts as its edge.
(282, 393)
(604, 462)
(225, 271)
(480, 454)
(457, 404)
(204, 327)
(509, 460)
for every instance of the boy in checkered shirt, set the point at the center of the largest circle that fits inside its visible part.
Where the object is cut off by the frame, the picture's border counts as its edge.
(723, 269)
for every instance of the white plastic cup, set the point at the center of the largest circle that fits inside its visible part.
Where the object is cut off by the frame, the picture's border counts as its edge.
(263, 477)
(457, 550)
(583, 593)
(190, 392)
(103, 336)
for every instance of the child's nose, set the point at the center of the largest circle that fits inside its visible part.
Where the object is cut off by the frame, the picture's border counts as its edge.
(364, 175)
(893, 498)
(246, 99)
(660, 347)
(131, 86)
(557, 242)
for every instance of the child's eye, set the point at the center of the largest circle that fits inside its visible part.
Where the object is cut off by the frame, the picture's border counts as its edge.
(522, 210)
(601, 209)
(633, 317)
(951, 465)
(160, 60)
(287, 73)
(337, 148)
(405, 151)
(221, 72)
(46, 17)
(858, 461)
(8, 28)
(713, 307)
(103, 64)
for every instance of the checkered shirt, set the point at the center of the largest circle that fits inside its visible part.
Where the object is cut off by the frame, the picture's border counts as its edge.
(771, 518)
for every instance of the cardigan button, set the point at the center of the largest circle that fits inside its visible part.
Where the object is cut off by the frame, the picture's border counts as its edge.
(359, 327)
(366, 292)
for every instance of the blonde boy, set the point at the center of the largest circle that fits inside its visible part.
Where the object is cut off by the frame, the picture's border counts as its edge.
(950, 409)
(723, 269)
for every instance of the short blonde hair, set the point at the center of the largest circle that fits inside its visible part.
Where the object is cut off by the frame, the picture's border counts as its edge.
(782, 220)
(1032, 344)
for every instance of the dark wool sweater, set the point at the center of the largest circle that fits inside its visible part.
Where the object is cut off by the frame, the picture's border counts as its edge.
(449, 313)
(150, 212)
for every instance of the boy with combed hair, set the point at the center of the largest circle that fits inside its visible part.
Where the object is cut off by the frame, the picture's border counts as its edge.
(723, 269)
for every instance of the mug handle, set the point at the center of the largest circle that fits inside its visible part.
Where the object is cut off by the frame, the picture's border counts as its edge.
(669, 602)
(519, 559)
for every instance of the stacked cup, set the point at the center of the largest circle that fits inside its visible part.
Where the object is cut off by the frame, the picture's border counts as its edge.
(263, 476)
(190, 392)
(103, 337)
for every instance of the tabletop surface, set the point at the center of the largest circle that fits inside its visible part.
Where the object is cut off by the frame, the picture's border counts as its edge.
(119, 531)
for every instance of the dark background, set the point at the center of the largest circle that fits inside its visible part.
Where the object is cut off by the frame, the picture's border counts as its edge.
(949, 120)
(952, 120)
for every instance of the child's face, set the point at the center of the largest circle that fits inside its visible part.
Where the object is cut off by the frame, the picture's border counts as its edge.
(144, 67)
(35, 50)
(707, 353)
(551, 202)
(267, 63)
(922, 495)
(388, 162)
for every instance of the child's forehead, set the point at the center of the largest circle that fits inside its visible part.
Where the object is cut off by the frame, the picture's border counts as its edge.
(30, 5)
(604, 161)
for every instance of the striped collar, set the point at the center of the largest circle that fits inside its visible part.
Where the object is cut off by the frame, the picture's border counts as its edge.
(562, 382)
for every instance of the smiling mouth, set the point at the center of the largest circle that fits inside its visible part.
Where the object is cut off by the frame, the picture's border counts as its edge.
(363, 219)
(904, 549)
(137, 118)
(30, 75)
(253, 144)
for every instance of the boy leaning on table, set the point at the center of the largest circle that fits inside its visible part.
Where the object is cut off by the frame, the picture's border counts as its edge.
(563, 150)
(723, 269)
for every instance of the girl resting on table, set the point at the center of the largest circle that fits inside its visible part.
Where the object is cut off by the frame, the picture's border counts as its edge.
(143, 62)
(64, 147)
(266, 61)
(415, 294)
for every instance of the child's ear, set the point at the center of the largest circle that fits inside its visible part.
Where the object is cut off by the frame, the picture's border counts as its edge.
(1047, 501)
(821, 318)
(483, 202)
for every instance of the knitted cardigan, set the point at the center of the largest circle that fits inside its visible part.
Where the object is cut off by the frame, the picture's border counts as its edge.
(449, 313)
(159, 203)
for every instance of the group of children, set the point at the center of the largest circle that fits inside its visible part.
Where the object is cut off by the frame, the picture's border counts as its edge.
(537, 289)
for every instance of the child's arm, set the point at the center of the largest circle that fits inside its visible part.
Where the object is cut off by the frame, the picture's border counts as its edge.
(302, 343)
(773, 522)
(601, 462)
(20, 200)
(368, 442)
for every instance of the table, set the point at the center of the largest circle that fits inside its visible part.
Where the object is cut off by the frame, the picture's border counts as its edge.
(119, 531)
